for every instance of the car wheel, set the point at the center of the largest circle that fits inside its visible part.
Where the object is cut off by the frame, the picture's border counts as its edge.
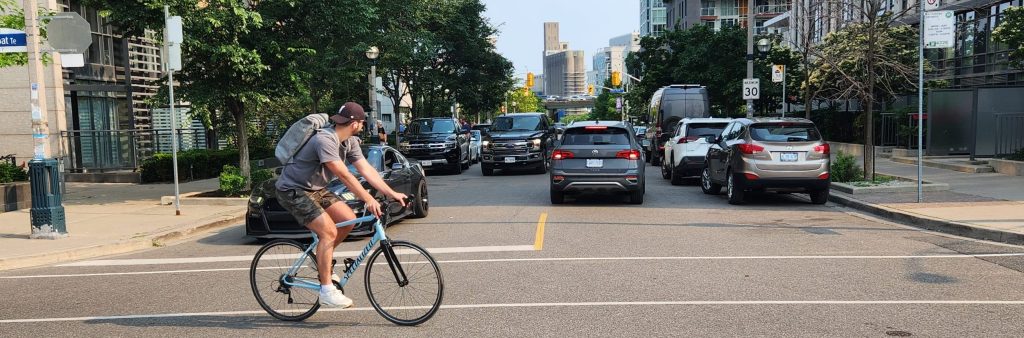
(706, 185)
(656, 160)
(819, 197)
(637, 197)
(733, 189)
(557, 197)
(665, 170)
(421, 206)
(486, 170)
(675, 176)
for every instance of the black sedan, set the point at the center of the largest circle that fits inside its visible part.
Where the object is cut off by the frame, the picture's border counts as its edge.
(267, 219)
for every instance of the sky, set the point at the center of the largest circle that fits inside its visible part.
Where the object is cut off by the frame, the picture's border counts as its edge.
(585, 24)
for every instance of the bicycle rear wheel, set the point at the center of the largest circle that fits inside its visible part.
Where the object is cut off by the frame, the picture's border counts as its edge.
(419, 296)
(270, 267)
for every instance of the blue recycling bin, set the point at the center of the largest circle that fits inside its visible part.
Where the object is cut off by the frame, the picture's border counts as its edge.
(47, 199)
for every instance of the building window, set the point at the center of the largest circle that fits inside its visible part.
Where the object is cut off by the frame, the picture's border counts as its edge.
(730, 23)
(707, 7)
(730, 7)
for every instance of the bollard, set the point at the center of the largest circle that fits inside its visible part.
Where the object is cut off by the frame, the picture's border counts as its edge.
(47, 200)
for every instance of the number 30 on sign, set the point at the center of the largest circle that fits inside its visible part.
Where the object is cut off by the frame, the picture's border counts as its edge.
(751, 89)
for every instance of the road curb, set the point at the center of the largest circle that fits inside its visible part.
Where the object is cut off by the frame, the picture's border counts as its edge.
(930, 223)
(125, 245)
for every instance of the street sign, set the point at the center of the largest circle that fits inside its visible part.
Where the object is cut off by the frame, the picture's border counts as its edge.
(751, 89)
(777, 71)
(939, 29)
(13, 41)
(618, 102)
(69, 33)
(931, 5)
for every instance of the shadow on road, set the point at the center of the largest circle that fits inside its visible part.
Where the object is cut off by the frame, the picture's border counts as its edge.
(237, 322)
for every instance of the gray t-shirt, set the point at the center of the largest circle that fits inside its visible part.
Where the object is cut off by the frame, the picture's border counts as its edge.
(306, 170)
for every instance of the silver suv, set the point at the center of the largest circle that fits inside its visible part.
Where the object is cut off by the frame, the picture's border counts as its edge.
(597, 156)
(759, 154)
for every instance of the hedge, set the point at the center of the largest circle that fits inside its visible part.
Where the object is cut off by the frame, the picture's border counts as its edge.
(12, 173)
(192, 165)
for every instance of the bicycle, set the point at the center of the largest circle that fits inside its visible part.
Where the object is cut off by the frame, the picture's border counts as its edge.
(295, 287)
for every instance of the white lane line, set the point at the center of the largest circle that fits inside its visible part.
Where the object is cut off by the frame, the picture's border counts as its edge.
(216, 259)
(550, 259)
(533, 305)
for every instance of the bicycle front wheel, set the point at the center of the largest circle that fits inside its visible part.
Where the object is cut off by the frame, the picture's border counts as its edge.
(403, 283)
(270, 268)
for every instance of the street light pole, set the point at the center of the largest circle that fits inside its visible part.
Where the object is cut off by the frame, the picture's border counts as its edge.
(750, 52)
(372, 54)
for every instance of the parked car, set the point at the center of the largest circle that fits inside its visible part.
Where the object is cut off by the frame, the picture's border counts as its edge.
(474, 145)
(783, 154)
(669, 105)
(641, 138)
(685, 150)
(520, 140)
(266, 218)
(482, 127)
(597, 156)
(437, 143)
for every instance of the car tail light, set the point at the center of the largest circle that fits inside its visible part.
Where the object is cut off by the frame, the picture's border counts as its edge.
(751, 176)
(562, 155)
(750, 149)
(595, 127)
(824, 176)
(557, 179)
(628, 154)
(631, 178)
(688, 139)
(823, 149)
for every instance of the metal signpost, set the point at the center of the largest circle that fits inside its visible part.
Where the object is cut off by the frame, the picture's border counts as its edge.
(779, 75)
(936, 31)
(173, 37)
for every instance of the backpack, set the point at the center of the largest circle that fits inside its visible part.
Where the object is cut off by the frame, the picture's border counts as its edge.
(298, 135)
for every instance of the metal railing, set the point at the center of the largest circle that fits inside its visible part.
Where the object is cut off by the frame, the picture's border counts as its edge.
(770, 9)
(1009, 133)
(99, 150)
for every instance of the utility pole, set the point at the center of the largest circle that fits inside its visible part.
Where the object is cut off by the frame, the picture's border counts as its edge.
(750, 52)
(40, 125)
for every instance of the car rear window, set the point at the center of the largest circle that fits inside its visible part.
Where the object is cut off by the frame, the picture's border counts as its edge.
(705, 129)
(784, 132)
(595, 137)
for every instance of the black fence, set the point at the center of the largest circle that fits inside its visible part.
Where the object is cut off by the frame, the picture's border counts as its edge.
(1009, 133)
(99, 150)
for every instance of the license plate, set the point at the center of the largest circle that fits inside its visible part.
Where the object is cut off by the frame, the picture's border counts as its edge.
(510, 160)
(426, 163)
(789, 157)
(595, 163)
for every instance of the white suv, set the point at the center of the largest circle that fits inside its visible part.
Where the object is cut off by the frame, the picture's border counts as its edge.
(685, 151)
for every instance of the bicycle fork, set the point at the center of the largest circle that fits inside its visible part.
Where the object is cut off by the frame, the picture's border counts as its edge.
(396, 267)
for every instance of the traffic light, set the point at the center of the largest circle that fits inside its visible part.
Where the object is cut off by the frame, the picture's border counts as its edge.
(616, 78)
(529, 80)
(590, 89)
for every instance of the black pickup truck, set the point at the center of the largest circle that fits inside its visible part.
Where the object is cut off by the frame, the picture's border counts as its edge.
(436, 143)
(521, 140)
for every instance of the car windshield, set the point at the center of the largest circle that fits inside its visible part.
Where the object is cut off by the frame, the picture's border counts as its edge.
(372, 156)
(595, 136)
(784, 132)
(432, 126)
(705, 129)
(506, 123)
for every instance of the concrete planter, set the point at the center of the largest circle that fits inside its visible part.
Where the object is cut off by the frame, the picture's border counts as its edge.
(908, 185)
(15, 196)
(1007, 167)
(899, 152)
(190, 199)
(857, 150)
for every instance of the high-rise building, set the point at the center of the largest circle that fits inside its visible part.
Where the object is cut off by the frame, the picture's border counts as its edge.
(652, 17)
(681, 14)
(607, 60)
(631, 42)
(564, 69)
(551, 43)
(719, 14)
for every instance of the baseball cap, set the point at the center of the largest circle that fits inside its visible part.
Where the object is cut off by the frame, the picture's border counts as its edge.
(348, 112)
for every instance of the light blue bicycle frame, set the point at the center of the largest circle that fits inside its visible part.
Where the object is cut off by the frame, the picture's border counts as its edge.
(315, 285)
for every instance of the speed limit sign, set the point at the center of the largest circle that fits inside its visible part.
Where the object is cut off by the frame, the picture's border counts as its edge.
(751, 89)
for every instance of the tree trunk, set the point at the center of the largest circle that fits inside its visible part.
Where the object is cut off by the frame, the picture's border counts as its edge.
(238, 112)
(869, 110)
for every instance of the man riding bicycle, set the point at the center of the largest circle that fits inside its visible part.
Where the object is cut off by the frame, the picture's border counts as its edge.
(301, 189)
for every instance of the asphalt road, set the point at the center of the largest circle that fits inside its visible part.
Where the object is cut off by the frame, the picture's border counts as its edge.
(682, 264)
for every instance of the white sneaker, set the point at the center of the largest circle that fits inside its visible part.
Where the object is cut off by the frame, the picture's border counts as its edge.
(330, 296)
(335, 277)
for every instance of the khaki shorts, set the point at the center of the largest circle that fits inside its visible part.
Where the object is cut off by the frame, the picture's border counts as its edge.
(306, 206)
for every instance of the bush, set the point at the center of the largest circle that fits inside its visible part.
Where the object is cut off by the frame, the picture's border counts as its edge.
(232, 183)
(12, 173)
(1018, 156)
(192, 165)
(845, 169)
(260, 176)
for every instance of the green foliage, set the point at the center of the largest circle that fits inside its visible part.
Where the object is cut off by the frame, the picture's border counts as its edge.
(1018, 156)
(232, 183)
(1010, 32)
(845, 169)
(523, 101)
(12, 173)
(604, 104)
(261, 175)
(192, 165)
(842, 70)
(568, 119)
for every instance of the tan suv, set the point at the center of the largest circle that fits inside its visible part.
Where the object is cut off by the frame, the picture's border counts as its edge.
(758, 154)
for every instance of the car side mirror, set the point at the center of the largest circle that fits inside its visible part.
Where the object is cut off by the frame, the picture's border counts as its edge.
(711, 139)
(397, 166)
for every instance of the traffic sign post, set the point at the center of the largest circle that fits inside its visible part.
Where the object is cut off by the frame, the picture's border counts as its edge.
(173, 37)
(937, 30)
(751, 89)
(779, 75)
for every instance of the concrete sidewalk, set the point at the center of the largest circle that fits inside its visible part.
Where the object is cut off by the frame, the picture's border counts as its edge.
(978, 205)
(106, 219)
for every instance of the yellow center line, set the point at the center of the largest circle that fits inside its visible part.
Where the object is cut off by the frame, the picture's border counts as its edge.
(538, 243)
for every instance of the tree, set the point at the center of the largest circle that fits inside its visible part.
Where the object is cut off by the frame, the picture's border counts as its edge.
(604, 104)
(1011, 32)
(876, 55)
(520, 101)
(771, 93)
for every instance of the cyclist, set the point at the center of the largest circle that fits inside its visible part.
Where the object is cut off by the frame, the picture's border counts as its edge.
(301, 190)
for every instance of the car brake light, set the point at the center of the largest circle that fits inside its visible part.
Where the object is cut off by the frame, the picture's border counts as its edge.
(688, 139)
(823, 149)
(631, 178)
(557, 179)
(750, 148)
(595, 127)
(562, 154)
(751, 176)
(824, 176)
(628, 154)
